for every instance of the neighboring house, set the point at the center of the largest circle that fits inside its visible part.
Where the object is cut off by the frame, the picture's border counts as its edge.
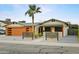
(73, 29)
(18, 29)
(3, 24)
(73, 26)
(21, 21)
(2, 27)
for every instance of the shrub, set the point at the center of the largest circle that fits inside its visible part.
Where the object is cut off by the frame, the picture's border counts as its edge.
(78, 34)
(72, 31)
(38, 35)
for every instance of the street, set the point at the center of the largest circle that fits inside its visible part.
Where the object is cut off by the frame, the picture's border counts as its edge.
(10, 48)
(17, 45)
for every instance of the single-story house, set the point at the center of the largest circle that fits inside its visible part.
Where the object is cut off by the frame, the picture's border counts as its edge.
(3, 24)
(2, 27)
(73, 29)
(53, 25)
(17, 29)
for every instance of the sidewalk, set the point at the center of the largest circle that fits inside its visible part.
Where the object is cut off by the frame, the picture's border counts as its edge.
(39, 41)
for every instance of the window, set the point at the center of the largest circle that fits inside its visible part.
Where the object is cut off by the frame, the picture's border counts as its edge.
(27, 28)
(9, 28)
(58, 29)
(47, 29)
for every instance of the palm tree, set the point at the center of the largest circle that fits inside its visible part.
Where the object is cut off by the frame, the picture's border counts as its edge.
(31, 12)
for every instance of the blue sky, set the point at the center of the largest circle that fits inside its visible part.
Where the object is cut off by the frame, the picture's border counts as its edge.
(65, 12)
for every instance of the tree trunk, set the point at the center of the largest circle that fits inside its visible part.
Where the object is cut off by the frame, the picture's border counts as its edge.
(33, 29)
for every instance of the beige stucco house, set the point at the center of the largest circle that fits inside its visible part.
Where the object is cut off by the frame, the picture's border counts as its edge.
(53, 25)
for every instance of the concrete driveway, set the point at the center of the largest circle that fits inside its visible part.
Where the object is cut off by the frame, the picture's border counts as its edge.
(68, 39)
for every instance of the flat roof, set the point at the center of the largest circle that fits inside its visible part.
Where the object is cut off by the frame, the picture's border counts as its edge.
(15, 25)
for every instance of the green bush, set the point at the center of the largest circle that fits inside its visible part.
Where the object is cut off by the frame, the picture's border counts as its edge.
(78, 34)
(38, 35)
(72, 31)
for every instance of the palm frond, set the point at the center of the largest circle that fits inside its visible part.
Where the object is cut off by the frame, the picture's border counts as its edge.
(38, 8)
(33, 10)
(29, 12)
(38, 11)
(26, 13)
(32, 7)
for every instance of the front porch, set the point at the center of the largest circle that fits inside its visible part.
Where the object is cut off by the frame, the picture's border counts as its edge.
(43, 29)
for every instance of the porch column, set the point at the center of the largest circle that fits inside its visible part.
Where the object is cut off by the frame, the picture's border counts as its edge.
(43, 30)
(44, 34)
(52, 29)
(62, 30)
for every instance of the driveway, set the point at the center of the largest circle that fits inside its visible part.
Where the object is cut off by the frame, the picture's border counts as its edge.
(68, 39)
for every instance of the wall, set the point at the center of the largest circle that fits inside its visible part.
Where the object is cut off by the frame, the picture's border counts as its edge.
(60, 35)
(52, 29)
(65, 30)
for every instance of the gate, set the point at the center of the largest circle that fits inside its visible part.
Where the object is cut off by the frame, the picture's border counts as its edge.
(27, 34)
(51, 35)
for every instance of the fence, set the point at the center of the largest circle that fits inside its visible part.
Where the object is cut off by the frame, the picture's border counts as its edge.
(27, 34)
(51, 35)
(47, 35)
